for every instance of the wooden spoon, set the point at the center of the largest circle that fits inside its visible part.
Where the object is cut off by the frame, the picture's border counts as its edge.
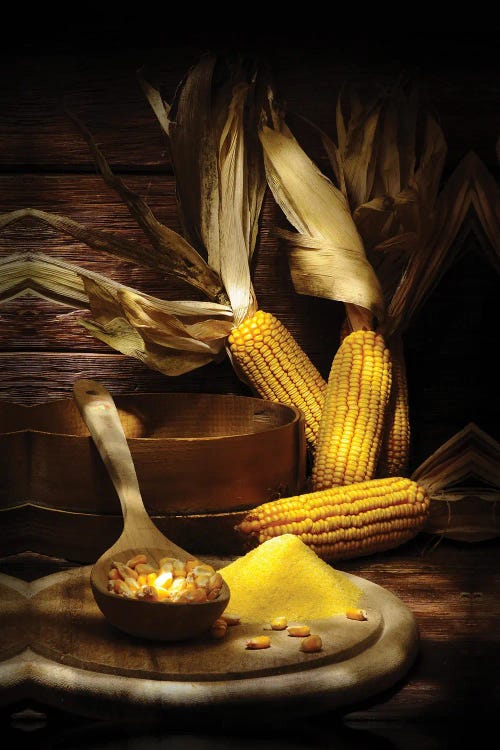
(163, 620)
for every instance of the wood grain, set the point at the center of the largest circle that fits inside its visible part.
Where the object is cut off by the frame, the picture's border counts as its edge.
(83, 537)
(102, 89)
(14, 617)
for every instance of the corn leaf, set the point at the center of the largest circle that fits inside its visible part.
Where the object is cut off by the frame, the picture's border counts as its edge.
(173, 337)
(167, 247)
(327, 258)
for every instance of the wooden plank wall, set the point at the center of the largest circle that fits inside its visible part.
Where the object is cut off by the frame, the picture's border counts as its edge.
(44, 163)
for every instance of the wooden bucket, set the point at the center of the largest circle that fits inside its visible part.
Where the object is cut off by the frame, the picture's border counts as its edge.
(202, 460)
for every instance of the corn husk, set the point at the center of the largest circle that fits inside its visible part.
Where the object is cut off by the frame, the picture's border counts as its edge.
(220, 182)
(326, 253)
(172, 337)
(463, 481)
(391, 189)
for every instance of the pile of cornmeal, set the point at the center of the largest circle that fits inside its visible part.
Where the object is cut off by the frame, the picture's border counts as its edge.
(284, 577)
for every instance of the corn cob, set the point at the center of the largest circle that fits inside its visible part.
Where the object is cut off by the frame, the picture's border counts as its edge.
(395, 449)
(344, 522)
(278, 368)
(352, 420)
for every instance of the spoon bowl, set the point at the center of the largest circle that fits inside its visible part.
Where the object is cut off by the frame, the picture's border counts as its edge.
(155, 620)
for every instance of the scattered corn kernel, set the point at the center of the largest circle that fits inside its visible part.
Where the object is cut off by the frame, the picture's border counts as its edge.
(299, 631)
(260, 641)
(311, 644)
(231, 619)
(356, 614)
(219, 628)
(279, 623)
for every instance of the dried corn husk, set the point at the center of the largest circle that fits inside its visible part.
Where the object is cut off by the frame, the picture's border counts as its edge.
(221, 183)
(172, 337)
(391, 189)
(326, 254)
(463, 481)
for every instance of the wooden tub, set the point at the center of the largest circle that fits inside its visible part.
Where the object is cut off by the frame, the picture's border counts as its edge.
(202, 460)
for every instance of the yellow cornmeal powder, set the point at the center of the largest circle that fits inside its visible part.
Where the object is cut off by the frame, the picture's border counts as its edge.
(283, 576)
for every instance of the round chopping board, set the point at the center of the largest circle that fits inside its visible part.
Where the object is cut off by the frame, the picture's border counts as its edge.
(80, 660)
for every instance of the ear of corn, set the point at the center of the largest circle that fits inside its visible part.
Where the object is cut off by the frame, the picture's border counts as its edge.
(352, 420)
(344, 522)
(277, 368)
(395, 446)
(395, 449)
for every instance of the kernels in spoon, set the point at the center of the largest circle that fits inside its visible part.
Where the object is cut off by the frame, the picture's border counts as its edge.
(132, 583)
(202, 582)
(179, 569)
(144, 569)
(191, 563)
(149, 593)
(164, 579)
(178, 586)
(162, 593)
(193, 595)
(202, 570)
(136, 560)
(125, 571)
(164, 560)
(170, 581)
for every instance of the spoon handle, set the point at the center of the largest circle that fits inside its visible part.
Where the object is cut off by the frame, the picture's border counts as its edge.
(99, 413)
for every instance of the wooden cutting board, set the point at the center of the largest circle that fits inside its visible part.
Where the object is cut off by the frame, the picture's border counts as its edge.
(78, 660)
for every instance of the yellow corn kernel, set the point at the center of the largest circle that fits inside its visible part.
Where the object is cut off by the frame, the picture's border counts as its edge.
(114, 575)
(356, 614)
(231, 619)
(164, 579)
(395, 448)
(125, 571)
(267, 356)
(260, 641)
(219, 628)
(121, 588)
(162, 593)
(144, 568)
(311, 644)
(191, 564)
(151, 578)
(352, 420)
(279, 623)
(299, 631)
(136, 560)
(149, 593)
(344, 522)
(193, 595)
(142, 580)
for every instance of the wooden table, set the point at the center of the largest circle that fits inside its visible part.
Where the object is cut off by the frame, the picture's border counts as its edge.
(451, 588)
